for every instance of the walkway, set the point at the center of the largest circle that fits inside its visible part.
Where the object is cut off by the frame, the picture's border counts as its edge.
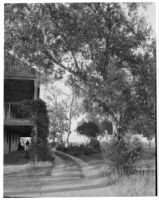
(66, 176)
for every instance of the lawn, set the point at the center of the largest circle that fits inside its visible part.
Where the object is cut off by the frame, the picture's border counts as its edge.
(135, 185)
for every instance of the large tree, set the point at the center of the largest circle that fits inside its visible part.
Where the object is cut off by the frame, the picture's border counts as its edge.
(98, 44)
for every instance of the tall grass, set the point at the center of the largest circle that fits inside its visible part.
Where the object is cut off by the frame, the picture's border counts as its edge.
(135, 185)
(140, 182)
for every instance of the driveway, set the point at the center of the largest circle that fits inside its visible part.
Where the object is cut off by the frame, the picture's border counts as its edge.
(66, 176)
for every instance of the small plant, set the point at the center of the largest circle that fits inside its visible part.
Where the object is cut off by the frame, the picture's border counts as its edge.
(124, 154)
(95, 144)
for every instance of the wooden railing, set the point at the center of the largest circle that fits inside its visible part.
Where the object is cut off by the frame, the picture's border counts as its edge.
(17, 68)
(14, 111)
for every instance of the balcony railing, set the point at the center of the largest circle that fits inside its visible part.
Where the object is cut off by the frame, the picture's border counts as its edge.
(18, 68)
(14, 111)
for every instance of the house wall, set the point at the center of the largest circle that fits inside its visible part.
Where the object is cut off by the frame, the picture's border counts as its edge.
(16, 90)
(11, 141)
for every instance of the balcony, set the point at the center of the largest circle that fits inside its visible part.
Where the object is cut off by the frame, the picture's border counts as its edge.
(17, 69)
(14, 115)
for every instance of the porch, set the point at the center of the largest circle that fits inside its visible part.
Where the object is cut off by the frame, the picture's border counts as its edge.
(14, 115)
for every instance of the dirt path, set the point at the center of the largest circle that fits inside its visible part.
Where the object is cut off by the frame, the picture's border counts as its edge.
(66, 176)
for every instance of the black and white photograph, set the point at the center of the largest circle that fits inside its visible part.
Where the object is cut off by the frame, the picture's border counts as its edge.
(80, 99)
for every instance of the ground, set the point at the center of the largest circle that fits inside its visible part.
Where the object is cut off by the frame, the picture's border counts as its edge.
(69, 176)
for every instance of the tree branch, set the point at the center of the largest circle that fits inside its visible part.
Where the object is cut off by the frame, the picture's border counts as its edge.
(65, 40)
(51, 58)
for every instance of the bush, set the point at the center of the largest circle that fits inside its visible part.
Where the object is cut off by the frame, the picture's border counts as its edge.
(87, 149)
(95, 145)
(61, 147)
(89, 129)
(124, 153)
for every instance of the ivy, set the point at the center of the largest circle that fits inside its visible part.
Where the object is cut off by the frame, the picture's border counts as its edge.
(37, 111)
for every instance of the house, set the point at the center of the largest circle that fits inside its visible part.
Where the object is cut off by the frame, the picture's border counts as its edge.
(20, 83)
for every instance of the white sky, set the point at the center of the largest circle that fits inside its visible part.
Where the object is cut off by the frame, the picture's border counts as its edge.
(150, 14)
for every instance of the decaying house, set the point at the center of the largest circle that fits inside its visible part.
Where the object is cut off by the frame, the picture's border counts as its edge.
(20, 83)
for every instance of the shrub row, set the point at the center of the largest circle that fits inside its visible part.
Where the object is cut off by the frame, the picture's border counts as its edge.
(88, 149)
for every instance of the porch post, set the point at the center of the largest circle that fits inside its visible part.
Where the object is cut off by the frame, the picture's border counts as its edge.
(36, 85)
(35, 141)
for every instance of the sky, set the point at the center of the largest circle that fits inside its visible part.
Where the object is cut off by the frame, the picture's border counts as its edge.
(149, 15)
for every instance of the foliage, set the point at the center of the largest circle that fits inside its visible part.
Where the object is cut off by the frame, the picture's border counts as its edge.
(108, 54)
(95, 144)
(83, 149)
(106, 125)
(89, 129)
(124, 153)
(63, 107)
(39, 147)
(58, 120)
(144, 120)
(57, 111)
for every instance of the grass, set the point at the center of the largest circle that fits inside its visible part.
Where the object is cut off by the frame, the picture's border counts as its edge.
(148, 153)
(142, 183)
(139, 184)
(135, 185)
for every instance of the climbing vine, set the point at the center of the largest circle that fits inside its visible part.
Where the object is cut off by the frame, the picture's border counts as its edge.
(37, 111)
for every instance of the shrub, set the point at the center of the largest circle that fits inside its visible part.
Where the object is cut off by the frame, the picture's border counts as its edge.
(124, 153)
(61, 147)
(95, 145)
(87, 149)
(89, 129)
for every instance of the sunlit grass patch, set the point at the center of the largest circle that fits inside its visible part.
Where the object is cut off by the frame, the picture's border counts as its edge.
(135, 185)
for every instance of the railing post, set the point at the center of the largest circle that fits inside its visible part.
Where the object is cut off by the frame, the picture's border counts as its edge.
(35, 89)
(9, 112)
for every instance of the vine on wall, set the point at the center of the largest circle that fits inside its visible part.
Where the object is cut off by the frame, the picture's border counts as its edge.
(37, 111)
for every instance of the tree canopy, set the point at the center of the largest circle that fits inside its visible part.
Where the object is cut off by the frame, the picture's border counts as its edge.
(88, 129)
(108, 53)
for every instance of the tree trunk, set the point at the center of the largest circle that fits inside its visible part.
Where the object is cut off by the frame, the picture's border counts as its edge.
(149, 141)
(70, 120)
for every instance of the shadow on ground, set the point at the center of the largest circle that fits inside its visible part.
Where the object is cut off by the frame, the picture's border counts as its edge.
(16, 158)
